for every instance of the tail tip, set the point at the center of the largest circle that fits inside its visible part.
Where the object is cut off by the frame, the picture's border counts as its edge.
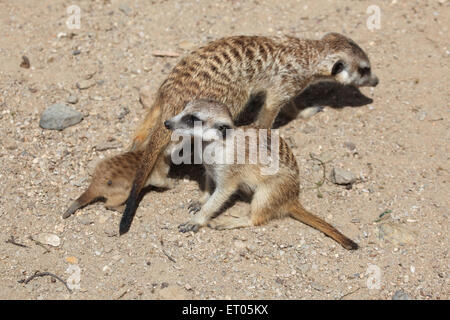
(124, 227)
(74, 207)
(350, 245)
(125, 224)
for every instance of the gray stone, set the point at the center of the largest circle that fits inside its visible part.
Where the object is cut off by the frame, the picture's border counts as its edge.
(111, 231)
(342, 177)
(317, 286)
(59, 116)
(123, 112)
(86, 220)
(422, 115)
(125, 9)
(107, 145)
(401, 295)
(350, 145)
(85, 84)
(72, 99)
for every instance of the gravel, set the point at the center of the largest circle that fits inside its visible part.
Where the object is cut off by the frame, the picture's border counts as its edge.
(400, 160)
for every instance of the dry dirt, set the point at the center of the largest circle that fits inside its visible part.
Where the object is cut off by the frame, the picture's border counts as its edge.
(399, 131)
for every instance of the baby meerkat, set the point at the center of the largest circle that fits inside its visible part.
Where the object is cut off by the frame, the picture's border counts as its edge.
(112, 180)
(234, 71)
(275, 195)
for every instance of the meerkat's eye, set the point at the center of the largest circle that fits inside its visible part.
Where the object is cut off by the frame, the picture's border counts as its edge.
(222, 128)
(190, 119)
(364, 71)
(338, 67)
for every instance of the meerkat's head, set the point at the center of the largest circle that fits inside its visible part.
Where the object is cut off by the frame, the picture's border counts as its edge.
(204, 118)
(345, 62)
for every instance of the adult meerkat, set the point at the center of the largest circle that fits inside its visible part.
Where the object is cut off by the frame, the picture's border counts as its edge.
(275, 195)
(232, 71)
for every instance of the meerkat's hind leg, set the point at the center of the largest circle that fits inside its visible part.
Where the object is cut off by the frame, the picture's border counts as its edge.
(264, 206)
(116, 202)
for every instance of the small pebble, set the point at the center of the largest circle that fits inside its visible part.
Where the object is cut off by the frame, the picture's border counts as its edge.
(85, 84)
(72, 99)
(125, 9)
(342, 177)
(48, 238)
(401, 295)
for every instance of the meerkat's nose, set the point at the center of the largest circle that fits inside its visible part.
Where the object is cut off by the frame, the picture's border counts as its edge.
(374, 81)
(168, 124)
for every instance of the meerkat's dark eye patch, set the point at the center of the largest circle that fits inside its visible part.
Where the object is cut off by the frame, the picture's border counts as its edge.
(337, 68)
(364, 71)
(222, 128)
(189, 119)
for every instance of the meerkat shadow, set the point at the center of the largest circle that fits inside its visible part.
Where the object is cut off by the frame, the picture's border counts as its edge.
(196, 173)
(330, 94)
(323, 94)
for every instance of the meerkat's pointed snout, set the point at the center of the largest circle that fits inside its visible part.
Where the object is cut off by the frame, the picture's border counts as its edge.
(374, 81)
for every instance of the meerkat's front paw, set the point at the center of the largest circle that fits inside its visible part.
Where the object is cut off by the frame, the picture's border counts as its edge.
(194, 207)
(189, 226)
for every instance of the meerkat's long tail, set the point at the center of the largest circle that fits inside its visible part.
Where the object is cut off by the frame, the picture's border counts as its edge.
(297, 212)
(157, 142)
(87, 197)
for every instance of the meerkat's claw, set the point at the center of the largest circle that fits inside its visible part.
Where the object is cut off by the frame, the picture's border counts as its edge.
(188, 226)
(194, 207)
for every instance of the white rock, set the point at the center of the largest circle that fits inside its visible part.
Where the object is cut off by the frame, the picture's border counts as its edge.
(48, 238)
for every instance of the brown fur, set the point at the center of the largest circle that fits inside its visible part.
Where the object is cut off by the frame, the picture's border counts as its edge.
(233, 70)
(274, 195)
(112, 180)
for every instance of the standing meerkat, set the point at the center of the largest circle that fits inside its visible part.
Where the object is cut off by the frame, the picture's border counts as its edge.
(234, 70)
(275, 194)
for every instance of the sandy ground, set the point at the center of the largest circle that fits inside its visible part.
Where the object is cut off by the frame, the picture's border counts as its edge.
(394, 138)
